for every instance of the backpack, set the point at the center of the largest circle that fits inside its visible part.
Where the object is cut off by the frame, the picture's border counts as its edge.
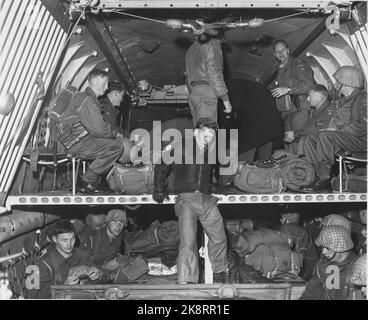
(131, 179)
(70, 130)
(253, 179)
(61, 101)
(285, 172)
(269, 252)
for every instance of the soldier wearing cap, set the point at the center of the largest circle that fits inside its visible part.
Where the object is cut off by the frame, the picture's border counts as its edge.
(347, 129)
(331, 275)
(104, 245)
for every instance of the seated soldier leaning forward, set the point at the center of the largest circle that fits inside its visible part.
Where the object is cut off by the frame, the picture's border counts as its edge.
(330, 280)
(104, 245)
(63, 264)
(98, 140)
(318, 117)
(347, 130)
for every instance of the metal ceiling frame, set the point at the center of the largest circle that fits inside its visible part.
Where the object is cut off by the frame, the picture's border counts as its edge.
(106, 42)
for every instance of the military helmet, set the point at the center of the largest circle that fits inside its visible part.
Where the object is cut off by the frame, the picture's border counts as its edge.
(336, 220)
(349, 76)
(336, 238)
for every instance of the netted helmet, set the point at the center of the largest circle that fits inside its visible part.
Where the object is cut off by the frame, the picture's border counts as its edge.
(349, 76)
(336, 220)
(336, 238)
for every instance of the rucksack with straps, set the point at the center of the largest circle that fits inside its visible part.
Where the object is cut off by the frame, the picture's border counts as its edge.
(64, 115)
(61, 102)
(131, 179)
(285, 172)
(269, 251)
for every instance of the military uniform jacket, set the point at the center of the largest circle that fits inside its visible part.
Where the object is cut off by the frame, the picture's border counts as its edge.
(351, 114)
(110, 115)
(317, 287)
(317, 119)
(296, 75)
(99, 247)
(204, 62)
(54, 269)
(86, 108)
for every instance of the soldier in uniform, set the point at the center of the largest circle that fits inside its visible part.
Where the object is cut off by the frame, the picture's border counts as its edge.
(104, 245)
(55, 266)
(331, 276)
(346, 131)
(294, 79)
(110, 104)
(192, 182)
(100, 142)
(204, 65)
(319, 116)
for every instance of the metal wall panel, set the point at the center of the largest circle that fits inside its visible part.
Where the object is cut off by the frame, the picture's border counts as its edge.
(31, 42)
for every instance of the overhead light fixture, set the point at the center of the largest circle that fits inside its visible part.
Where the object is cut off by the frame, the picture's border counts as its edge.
(78, 31)
(144, 86)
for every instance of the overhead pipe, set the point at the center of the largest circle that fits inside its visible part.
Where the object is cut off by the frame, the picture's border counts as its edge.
(21, 222)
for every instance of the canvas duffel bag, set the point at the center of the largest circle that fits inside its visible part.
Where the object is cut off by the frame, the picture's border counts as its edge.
(131, 179)
(253, 179)
(285, 172)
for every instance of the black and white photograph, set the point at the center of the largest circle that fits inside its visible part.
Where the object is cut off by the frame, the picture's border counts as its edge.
(178, 156)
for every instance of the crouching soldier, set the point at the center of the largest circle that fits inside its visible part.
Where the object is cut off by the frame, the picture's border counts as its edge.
(104, 245)
(330, 280)
(63, 264)
(192, 182)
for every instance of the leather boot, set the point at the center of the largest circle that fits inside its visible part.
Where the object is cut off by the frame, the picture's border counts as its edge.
(317, 186)
(222, 277)
(88, 187)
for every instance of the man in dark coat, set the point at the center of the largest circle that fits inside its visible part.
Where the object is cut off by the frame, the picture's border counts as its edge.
(191, 180)
(258, 121)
